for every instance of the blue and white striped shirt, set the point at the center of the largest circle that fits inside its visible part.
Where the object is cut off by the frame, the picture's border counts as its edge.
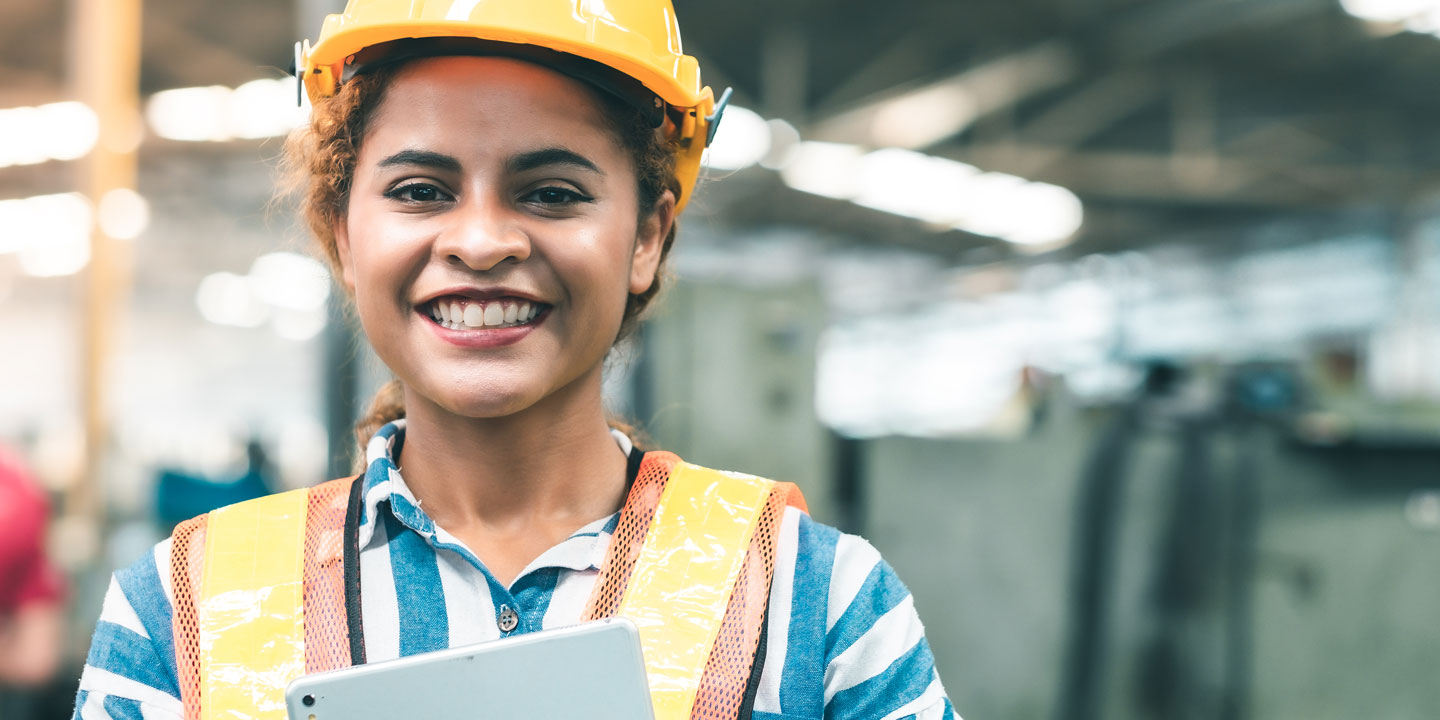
(844, 640)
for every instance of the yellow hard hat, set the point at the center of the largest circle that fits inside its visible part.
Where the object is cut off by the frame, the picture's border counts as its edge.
(630, 48)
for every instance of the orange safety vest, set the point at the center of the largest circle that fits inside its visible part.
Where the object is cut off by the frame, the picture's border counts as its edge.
(268, 590)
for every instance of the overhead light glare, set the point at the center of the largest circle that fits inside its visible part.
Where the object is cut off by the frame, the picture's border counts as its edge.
(1045, 214)
(50, 234)
(257, 109)
(1388, 11)
(942, 192)
(57, 131)
(298, 325)
(289, 280)
(821, 168)
(227, 299)
(265, 108)
(923, 117)
(904, 182)
(285, 289)
(783, 138)
(742, 140)
(124, 214)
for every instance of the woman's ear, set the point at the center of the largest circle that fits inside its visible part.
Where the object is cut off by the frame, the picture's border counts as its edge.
(650, 242)
(342, 252)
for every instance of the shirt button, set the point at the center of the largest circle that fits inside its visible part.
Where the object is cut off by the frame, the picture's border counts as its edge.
(508, 619)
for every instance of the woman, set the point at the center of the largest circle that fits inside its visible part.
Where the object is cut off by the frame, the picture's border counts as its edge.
(497, 188)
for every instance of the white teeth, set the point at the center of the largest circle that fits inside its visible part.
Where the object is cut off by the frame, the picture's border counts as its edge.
(474, 316)
(470, 315)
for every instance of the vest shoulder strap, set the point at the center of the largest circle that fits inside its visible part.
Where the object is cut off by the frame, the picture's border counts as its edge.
(690, 564)
(260, 600)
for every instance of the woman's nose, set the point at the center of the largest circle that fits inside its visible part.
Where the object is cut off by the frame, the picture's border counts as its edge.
(482, 235)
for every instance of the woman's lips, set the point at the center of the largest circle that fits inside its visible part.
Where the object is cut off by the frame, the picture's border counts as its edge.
(479, 324)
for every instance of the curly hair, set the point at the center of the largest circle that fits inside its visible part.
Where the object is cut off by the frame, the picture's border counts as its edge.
(318, 166)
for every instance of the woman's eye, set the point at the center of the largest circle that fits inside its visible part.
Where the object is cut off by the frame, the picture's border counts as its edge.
(555, 196)
(417, 193)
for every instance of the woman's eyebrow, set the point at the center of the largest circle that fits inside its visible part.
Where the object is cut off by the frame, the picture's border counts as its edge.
(551, 156)
(423, 158)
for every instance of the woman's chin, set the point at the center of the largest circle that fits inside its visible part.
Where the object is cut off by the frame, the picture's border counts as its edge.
(487, 408)
(496, 391)
(488, 403)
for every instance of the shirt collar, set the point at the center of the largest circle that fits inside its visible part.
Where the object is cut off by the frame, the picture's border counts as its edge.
(384, 490)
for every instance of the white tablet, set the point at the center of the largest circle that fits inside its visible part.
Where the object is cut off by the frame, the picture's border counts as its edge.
(592, 671)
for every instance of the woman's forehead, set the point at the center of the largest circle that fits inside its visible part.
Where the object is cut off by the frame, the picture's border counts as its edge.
(483, 102)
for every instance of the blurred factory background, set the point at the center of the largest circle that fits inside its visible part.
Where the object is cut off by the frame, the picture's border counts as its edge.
(1114, 324)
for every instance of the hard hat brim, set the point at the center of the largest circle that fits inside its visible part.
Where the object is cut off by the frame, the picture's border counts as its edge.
(332, 52)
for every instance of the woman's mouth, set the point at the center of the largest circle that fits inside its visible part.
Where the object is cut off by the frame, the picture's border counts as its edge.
(461, 313)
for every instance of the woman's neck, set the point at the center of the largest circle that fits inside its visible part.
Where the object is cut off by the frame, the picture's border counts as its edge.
(554, 464)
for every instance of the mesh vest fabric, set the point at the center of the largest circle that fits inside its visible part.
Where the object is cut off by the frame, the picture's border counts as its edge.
(728, 668)
(325, 629)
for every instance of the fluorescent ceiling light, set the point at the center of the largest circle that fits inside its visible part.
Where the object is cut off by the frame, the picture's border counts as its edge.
(923, 117)
(58, 131)
(49, 233)
(914, 184)
(828, 169)
(226, 299)
(257, 109)
(124, 214)
(1387, 10)
(289, 280)
(286, 289)
(936, 190)
(742, 140)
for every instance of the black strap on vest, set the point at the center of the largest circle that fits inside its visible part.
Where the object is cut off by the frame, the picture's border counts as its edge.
(354, 627)
(747, 703)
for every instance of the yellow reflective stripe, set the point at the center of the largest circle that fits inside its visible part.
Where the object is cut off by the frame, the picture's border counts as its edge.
(250, 608)
(684, 574)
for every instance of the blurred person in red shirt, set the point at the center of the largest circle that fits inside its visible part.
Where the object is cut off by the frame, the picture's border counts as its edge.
(31, 590)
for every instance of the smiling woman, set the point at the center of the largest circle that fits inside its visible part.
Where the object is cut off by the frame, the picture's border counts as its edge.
(497, 189)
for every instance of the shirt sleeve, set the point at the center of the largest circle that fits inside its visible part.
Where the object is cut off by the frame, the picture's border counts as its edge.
(853, 645)
(878, 663)
(130, 670)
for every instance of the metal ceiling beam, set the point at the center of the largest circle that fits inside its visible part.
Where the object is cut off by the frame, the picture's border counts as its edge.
(914, 51)
(1204, 178)
(919, 117)
(1086, 113)
(205, 62)
(1161, 26)
(785, 71)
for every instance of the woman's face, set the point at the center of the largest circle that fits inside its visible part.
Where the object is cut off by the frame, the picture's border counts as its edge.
(493, 234)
